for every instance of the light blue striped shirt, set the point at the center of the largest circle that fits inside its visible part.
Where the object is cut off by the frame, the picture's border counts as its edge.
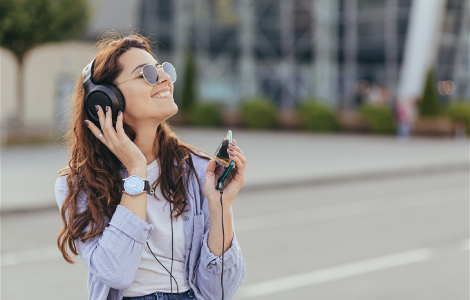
(113, 257)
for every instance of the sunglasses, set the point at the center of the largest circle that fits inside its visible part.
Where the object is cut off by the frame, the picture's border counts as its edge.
(150, 73)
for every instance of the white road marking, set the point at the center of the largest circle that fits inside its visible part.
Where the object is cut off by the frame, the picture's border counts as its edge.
(334, 273)
(31, 255)
(342, 210)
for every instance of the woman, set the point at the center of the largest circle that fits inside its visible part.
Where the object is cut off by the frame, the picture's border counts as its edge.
(130, 244)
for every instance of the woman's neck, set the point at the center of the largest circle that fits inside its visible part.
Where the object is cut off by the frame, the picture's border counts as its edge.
(145, 140)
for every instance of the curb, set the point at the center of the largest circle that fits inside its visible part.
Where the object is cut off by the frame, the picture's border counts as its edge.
(276, 185)
(370, 175)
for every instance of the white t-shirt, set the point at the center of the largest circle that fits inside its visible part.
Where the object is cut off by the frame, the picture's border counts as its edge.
(151, 276)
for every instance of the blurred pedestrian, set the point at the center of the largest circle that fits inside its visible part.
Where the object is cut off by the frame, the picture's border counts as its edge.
(406, 115)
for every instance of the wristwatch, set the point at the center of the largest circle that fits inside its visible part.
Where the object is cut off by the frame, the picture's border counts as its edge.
(135, 185)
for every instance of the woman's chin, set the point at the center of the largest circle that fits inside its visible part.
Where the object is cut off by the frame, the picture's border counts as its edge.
(173, 111)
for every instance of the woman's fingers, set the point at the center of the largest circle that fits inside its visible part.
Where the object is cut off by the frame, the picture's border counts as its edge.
(240, 161)
(109, 129)
(101, 116)
(105, 118)
(119, 125)
(96, 131)
(238, 153)
(106, 122)
(239, 176)
(235, 147)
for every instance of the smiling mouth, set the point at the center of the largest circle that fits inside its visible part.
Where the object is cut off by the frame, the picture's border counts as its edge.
(162, 94)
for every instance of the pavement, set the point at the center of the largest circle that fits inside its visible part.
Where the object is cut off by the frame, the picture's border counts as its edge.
(275, 159)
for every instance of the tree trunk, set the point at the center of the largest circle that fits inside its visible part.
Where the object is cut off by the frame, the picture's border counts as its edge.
(19, 126)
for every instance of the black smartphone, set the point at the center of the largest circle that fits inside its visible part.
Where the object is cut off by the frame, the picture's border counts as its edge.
(221, 157)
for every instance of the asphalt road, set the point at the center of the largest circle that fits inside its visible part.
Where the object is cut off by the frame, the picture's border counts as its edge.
(395, 238)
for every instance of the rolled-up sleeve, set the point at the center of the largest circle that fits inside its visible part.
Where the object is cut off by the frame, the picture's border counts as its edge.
(209, 270)
(114, 255)
(211, 261)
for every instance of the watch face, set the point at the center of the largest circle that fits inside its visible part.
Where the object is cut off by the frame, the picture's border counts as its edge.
(134, 185)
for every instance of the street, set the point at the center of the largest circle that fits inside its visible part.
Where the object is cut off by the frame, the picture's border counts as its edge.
(395, 238)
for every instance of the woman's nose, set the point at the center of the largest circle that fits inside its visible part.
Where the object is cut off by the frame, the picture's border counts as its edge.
(163, 76)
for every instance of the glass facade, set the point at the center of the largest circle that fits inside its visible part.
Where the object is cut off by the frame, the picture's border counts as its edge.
(293, 49)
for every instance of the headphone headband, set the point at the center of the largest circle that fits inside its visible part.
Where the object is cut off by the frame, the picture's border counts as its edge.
(88, 71)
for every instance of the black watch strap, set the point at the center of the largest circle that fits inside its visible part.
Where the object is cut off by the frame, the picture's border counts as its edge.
(147, 186)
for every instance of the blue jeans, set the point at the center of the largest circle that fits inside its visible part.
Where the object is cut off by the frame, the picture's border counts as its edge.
(188, 295)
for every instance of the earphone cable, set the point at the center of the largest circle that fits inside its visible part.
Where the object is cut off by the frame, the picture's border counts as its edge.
(169, 272)
(223, 240)
(177, 290)
(171, 268)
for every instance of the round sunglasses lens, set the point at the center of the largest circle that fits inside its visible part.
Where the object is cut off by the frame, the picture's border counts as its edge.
(150, 74)
(170, 70)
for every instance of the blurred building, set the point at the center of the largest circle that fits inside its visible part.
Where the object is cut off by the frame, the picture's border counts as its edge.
(338, 51)
(287, 50)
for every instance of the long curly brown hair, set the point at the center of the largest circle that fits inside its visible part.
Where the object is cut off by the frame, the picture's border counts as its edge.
(95, 169)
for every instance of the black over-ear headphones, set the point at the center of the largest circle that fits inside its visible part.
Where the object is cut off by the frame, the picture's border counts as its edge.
(100, 94)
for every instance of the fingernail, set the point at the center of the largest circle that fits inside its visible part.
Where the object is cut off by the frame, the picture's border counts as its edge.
(96, 106)
(232, 144)
(86, 122)
(230, 149)
(119, 113)
(232, 154)
(107, 107)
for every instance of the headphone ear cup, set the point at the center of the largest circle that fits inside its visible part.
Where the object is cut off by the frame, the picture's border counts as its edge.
(121, 102)
(118, 103)
(90, 109)
(104, 95)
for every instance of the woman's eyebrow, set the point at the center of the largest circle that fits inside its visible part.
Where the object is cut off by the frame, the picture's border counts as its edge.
(140, 66)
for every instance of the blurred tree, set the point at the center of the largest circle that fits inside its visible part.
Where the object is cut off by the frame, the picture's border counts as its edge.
(259, 113)
(379, 117)
(428, 104)
(188, 95)
(459, 112)
(207, 114)
(316, 116)
(25, 24)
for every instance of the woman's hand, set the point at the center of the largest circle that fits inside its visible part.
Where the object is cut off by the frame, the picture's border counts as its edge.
(232, 184)
(117, 140)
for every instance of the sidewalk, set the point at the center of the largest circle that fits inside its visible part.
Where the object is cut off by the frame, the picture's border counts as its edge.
(274, 160)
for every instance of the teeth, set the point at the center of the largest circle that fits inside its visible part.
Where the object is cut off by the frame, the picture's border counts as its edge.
(162, 94)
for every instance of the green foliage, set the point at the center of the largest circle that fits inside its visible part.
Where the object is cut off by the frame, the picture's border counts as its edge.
(188, 96)
(206, 114)
(379, 118)
(259, 113)
(460, 111)
(25, 24)
(317, 117)
(428, 105)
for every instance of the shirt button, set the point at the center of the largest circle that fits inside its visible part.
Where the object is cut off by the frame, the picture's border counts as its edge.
(190, 246)
(186, 218)
(213, 262)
